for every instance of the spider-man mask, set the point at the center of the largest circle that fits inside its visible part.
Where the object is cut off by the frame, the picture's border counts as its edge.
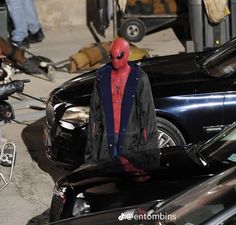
(119, 53)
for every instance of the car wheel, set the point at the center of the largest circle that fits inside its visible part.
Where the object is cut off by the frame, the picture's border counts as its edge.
(168, 134)
(133, 30)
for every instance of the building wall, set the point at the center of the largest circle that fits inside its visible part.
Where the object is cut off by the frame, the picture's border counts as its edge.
(61, 12)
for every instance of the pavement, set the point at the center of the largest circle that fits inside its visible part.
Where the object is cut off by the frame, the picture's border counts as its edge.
(27, 198)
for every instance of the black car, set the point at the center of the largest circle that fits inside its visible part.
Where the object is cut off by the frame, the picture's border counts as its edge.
(212, 202)
(194, 96)
(104, 184)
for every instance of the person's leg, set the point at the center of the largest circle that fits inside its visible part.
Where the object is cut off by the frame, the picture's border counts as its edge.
(34, 27)
(17, 13)
(31, 16)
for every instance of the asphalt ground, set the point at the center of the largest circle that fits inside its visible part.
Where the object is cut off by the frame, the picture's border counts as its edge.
(27, 198)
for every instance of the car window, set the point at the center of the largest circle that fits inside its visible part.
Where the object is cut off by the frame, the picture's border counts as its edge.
(222, 149)
(224, 66)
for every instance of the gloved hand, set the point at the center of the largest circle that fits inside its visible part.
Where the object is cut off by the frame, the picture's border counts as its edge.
(19, 85)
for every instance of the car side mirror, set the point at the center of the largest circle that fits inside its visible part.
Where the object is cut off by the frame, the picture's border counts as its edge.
(205, 70)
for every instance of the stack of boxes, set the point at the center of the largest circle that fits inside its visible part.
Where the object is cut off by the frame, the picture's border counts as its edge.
(204, 33)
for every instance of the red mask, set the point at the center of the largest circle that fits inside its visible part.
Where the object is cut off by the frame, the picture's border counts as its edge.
(119, 53)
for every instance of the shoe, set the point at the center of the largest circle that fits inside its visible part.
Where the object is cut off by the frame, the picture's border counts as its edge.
(37, 37)
(22, 44)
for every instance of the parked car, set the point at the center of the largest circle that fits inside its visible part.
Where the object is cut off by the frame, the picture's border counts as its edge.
(212, 202)
(194, 96)
(104, 184)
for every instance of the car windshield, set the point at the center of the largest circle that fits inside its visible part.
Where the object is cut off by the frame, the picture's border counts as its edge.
(220, 62)
(222, 147)
(200, 203)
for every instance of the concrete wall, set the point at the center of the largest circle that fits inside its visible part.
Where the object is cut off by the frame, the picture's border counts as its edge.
(61, 12)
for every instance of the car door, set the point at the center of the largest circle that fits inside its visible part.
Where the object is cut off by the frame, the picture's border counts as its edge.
(227, 67)
(223, 69)
(199, 110)
(230, 104)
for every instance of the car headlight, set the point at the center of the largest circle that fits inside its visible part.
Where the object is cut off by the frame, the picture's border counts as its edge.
(57, 204)
(77, 115)
(50, 113)
(81, 206)
(59, 193)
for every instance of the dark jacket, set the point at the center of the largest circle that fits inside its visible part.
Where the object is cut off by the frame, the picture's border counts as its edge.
(138, 129)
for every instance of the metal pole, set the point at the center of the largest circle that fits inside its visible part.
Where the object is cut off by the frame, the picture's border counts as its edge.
(30, 96)
(114, 19)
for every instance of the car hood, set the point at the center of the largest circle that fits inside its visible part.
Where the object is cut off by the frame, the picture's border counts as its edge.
(108, 178)
(174, 162)
(75, 90)
(164, 69)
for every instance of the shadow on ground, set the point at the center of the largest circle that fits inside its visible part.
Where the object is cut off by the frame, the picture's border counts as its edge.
(40, 220)
(32, 136)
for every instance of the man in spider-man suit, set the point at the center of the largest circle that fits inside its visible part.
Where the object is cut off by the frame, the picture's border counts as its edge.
(122, 115)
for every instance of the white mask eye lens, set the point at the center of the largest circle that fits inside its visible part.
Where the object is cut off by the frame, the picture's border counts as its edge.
(120, 56)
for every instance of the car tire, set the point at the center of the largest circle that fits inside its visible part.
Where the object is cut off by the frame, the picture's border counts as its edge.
(168, 134)
(133, 30)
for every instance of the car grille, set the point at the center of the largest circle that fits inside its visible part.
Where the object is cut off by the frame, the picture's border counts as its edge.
(50, 114)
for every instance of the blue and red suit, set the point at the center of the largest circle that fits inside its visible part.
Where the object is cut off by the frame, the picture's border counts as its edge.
(122, 114)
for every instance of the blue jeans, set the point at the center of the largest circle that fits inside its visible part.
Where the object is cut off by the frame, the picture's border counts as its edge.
(25, 18)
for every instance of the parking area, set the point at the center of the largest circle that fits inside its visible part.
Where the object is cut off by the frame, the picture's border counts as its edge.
(27, 199)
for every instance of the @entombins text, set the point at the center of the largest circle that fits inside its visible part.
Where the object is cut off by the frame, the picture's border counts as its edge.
(160, 216)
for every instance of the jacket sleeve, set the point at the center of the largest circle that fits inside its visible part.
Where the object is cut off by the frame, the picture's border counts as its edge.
(94, 126)
(6, 90)
(148, 137)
